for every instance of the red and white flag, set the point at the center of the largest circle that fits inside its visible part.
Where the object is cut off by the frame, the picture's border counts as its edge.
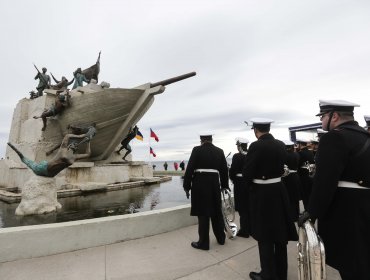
(152, 134)
(152, 152)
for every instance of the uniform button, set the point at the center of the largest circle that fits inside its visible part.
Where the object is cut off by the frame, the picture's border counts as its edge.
(360, 182)
(263, 177)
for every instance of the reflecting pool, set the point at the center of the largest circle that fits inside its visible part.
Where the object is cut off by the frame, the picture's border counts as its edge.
(102, 204)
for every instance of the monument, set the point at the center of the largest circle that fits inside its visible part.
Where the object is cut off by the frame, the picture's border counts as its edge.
(113, 111)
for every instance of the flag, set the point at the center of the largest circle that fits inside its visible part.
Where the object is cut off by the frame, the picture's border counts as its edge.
(152, 134)
(139, 136)
(152, 152)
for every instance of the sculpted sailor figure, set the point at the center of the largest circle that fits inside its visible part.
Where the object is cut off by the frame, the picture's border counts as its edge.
(340, 198)
(271, 224)
(241, 189)
(125, 143)
(44, 81)
(89, 131)
(205, 177)
(65, 157)
(62, 84)
(79, 78)
(61, 102)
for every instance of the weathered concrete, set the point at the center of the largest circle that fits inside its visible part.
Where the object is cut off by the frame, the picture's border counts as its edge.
(39, 196)
(43, 240)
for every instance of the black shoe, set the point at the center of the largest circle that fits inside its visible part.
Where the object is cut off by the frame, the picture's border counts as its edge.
(221, 242)
(197, 246)
(242, 234)
(255, 275)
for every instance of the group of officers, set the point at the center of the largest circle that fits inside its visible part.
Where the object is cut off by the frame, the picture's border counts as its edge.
(269, 180)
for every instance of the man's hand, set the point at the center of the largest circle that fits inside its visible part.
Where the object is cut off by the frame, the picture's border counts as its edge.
(303, 218)
(187, 194)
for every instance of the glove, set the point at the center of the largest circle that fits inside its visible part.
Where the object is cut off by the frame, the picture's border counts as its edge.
(303, 218)
(187, 194)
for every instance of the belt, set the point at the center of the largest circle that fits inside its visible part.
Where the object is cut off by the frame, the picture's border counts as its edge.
(239, 175)
(206, 170)
(292, 171)
(352, 185)
(267, 181)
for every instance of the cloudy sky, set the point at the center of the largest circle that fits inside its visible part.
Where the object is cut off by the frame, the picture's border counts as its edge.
(268, 58)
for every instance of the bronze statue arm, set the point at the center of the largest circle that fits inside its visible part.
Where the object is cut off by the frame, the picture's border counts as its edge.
(55, 80)
(53, 149)
(69, 136)
(68, 84)
(87, 154)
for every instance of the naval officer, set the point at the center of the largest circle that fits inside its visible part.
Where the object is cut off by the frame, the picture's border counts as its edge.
(291, 179)
(241, 190)
(205, 177)
(340, 197)
(306, 156)
(271, 223)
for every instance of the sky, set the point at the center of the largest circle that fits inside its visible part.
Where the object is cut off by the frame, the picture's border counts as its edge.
(268, 58)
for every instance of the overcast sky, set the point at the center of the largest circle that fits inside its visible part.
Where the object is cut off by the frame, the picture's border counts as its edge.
(273, 58)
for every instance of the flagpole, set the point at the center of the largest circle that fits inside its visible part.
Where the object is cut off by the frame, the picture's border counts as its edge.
(150, 155)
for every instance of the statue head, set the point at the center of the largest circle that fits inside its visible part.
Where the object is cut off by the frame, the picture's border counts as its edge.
(44, 69)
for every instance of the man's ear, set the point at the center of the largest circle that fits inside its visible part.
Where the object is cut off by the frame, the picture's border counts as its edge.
(335, 116)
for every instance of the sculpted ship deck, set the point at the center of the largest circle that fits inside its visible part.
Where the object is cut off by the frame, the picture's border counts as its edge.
(114, 110)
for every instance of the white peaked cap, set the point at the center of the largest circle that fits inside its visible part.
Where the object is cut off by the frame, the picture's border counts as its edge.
(321, 131)
(302, 140)
(288, 142)
(205, 133)
(241, 140)
(261, 120)
(336, 105)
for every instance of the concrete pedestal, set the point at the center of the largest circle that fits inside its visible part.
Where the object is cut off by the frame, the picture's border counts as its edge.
(39, 196)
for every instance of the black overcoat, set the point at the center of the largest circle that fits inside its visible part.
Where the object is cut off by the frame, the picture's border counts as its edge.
(205, 187)
(343, 213)
(269, 203)
(241, 190)
(305, 155)
(293, 184)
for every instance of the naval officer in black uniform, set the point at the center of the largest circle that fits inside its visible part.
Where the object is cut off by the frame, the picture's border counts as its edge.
(241, 190)
(291, 179)
(340, 197)
(305, 156)
(271, 223)
(205, 177)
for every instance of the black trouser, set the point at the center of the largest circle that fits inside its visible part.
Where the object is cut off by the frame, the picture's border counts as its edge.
(244, 221)
(306, 183)
(273, 259)
(218, 227)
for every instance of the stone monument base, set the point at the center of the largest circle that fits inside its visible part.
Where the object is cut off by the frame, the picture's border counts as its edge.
(39, 196)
